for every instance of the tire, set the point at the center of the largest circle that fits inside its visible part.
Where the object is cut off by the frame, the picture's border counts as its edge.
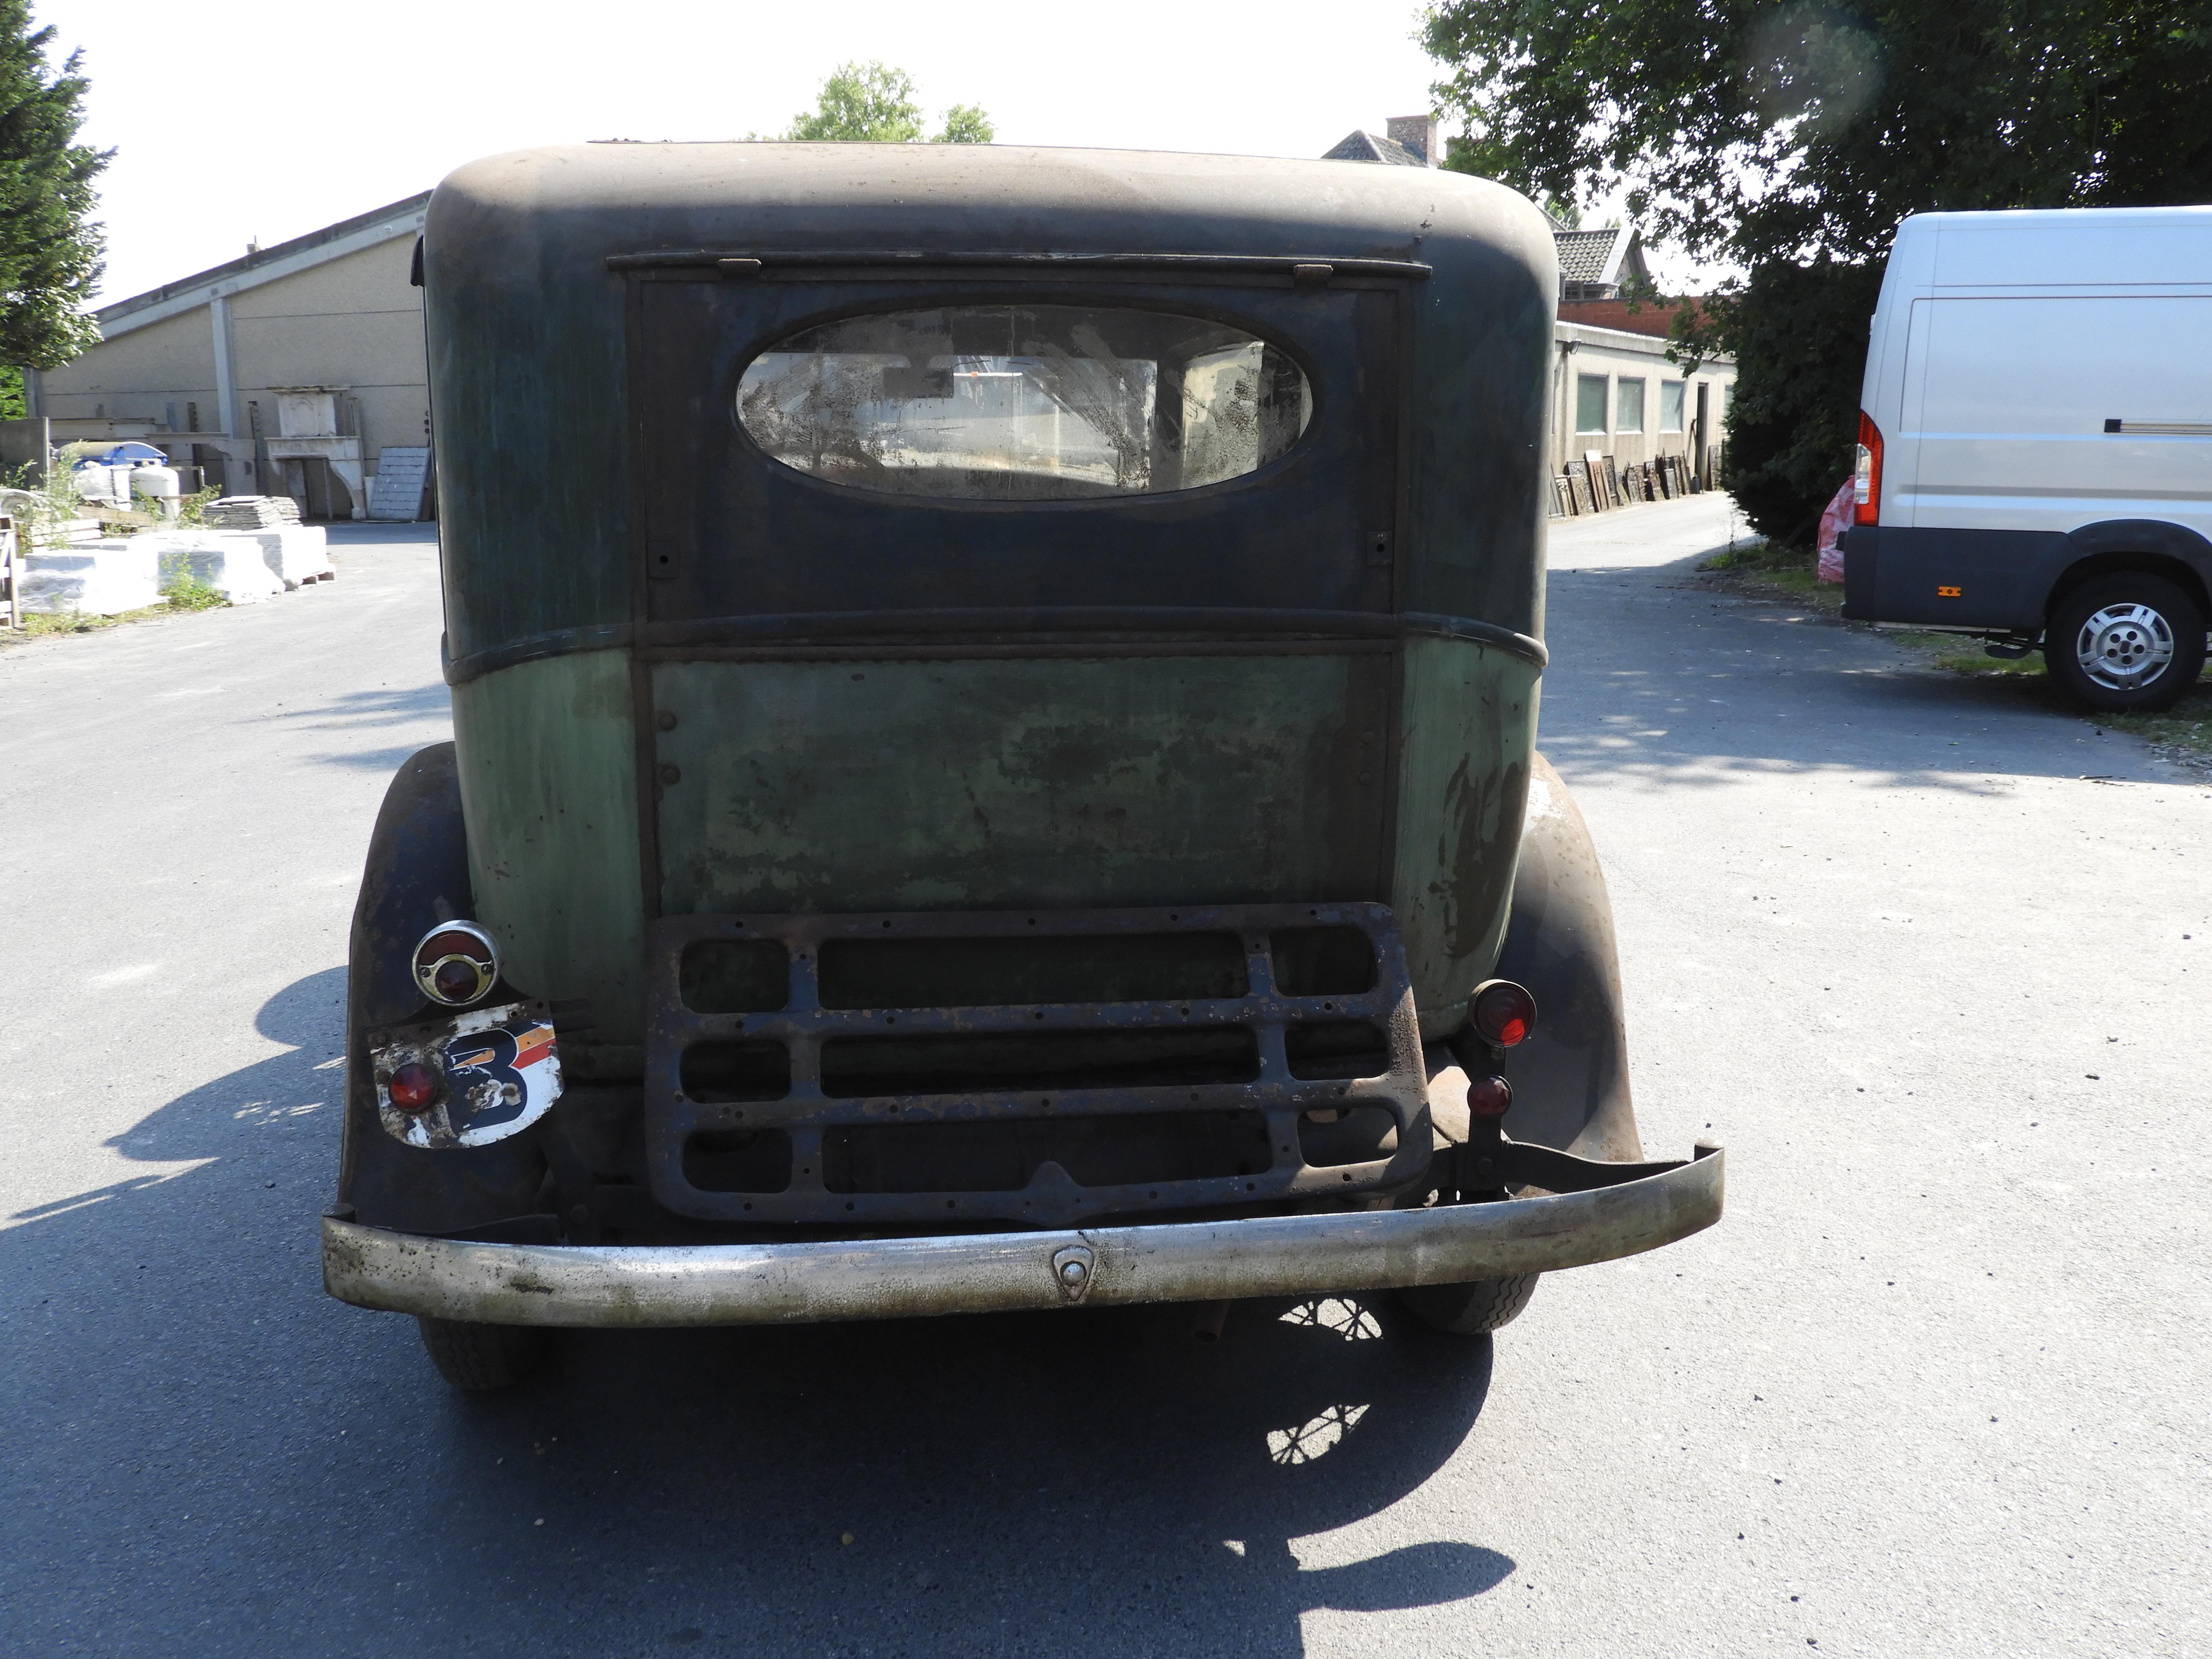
(2126, 641)
(1474, 1308)
(484, 1359)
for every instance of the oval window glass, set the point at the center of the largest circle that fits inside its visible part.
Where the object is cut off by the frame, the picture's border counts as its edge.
(1023, 402)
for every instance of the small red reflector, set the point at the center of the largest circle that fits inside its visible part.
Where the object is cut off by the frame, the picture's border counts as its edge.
(413, 1087)
(1505, 1013)
(1489, 1096)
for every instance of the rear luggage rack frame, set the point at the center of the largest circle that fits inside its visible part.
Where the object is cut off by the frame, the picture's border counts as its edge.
(805, 1113)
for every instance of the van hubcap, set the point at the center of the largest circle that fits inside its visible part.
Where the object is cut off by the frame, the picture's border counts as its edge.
(2123, 647)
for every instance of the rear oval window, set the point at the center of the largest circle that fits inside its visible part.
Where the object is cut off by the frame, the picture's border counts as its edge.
(1023, 402)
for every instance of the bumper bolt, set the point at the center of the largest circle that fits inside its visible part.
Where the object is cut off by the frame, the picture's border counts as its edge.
(1071, 1271)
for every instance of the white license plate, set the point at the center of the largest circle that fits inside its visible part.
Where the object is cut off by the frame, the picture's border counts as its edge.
(491, 1073)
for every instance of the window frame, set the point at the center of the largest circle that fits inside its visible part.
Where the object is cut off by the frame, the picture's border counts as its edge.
(1681, 391)
(1583, 382)
(1299, 361)
(1620, 384)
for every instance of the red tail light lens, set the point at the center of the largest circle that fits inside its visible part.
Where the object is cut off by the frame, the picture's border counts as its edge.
(413, 1088)
(1505, 1013)
(1489, 1096)
(1866, 475)
(457, 963)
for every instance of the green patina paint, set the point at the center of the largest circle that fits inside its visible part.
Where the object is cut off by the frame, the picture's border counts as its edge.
(1078, 782)
(1468, 718)
(549, 791)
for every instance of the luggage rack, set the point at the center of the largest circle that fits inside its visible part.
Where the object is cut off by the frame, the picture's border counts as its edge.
(766, 1106)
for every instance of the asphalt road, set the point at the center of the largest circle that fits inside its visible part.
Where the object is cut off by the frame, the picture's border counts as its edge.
(1935, 1385)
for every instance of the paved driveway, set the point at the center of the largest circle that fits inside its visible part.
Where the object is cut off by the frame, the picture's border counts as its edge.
(1935, 1385)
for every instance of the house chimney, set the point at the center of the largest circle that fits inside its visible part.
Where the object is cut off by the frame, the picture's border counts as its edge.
(1419, 134)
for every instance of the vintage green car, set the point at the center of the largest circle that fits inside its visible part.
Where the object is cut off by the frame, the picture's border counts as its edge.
(994, 698)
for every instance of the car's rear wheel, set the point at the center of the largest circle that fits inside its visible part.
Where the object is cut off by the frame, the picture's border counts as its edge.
(484, 1359)
(1474, 1309)
(2129, 640)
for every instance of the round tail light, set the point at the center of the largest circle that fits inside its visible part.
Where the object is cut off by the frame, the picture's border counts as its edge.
(1489, 1096)
(1505, 1013)
(412, 1088)
(456, 963)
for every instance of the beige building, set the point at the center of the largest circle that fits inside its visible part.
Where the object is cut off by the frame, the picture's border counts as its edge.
(1613, 391)
(297, 370)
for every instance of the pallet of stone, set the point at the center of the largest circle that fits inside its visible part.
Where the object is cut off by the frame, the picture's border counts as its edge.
(250, 512)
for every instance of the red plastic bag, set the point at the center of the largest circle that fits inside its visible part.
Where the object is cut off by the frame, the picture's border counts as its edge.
(1835, 518)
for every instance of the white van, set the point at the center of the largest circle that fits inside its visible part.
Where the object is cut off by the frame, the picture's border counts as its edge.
(2035, 443)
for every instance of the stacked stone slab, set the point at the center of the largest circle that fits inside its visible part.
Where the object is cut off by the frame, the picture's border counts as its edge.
(94, 579)
(251, 513)
(235, 566)
(296, 553)
(108, 577)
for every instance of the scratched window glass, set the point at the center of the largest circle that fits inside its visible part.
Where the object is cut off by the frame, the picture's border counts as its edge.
(1023, 402)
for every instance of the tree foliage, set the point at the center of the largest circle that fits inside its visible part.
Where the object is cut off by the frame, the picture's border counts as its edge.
(50, 251)
(966, 123)
(1789, 136)
(874, 103)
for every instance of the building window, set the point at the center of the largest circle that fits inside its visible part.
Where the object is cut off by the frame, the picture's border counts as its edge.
(1628, 406)
(1670, 405)
(1590, 403)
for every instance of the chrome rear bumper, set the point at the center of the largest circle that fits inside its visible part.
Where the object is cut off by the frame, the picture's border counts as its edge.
(997, 1273)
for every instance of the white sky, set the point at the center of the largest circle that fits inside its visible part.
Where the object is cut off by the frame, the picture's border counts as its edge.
(263, 119)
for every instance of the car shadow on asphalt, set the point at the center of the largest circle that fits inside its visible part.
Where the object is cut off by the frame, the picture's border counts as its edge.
(1659, 677)
(355, 713)
(1097, 1480)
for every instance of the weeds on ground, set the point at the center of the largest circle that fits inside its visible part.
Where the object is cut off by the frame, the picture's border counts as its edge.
(37, 626)
(1787, 572)
(184, 590)
(2183, 732)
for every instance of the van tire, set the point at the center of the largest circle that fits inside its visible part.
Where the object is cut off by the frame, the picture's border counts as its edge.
(1474, 1308)
(2174, 617)
(484, 1359)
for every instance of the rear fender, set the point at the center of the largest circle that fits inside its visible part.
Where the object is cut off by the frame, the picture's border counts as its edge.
(1570, 1079)
(417, 876)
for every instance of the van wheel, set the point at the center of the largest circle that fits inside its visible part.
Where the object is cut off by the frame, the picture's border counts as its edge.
(484, 1359)
(1471, 1309)
(2126, 641)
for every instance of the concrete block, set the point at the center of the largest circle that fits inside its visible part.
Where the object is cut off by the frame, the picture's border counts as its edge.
(296, 553)
(92, 578)
(230, 562)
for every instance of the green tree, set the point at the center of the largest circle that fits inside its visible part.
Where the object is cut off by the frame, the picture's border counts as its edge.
(1789, 136)
(874, 103)
(966, 123)
(50, 251)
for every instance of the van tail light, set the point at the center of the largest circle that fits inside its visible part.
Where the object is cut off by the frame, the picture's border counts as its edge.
(1866, 476)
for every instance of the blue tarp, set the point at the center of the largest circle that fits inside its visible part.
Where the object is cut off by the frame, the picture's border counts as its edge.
(125, 454)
